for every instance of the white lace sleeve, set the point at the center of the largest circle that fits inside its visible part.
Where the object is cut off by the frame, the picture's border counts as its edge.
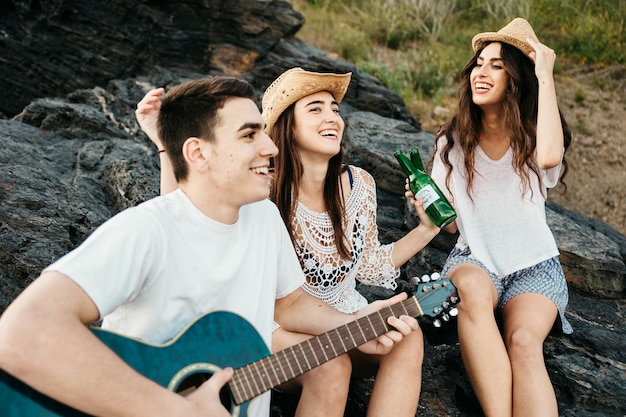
(376, 267)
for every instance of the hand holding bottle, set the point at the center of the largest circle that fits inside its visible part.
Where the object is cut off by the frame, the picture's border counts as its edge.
(435, 203)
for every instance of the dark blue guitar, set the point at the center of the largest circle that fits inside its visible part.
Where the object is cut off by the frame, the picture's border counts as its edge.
(220, 339)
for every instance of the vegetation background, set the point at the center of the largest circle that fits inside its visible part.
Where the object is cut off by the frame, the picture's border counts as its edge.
(418, 47)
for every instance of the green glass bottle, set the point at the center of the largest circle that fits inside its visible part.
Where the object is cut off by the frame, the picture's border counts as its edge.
(415, 158)
(435, 203)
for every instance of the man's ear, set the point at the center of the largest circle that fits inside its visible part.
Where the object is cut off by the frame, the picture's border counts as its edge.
(193, 152)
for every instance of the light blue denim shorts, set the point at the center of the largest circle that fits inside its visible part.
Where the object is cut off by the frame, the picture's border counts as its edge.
(545, 278)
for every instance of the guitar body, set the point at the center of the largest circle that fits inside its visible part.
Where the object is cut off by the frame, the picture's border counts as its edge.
(214, 341)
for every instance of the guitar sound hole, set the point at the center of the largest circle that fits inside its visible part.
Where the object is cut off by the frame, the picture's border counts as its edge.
(193, 381)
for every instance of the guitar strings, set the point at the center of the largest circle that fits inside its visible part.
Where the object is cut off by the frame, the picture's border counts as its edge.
(264, 374)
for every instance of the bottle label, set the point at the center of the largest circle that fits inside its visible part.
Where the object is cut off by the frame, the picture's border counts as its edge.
(428, 194)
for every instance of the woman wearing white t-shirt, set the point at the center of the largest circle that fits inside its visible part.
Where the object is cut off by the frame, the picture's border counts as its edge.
(495, 160)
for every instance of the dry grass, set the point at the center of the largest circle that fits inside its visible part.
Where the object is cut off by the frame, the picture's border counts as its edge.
(592, 98)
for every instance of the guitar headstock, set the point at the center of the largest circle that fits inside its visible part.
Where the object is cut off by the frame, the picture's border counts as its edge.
(437, 297)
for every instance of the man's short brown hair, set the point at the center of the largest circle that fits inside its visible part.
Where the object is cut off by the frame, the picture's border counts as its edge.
(190, 110)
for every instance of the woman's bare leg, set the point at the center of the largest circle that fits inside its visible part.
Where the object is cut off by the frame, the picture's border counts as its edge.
(528, 319)
(324, 389)
(398, 377)
(482, 348)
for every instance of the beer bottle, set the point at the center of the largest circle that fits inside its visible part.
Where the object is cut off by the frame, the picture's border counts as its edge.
(435, 203)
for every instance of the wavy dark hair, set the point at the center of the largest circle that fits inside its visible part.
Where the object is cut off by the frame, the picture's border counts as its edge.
(520, 114)
(288, 172)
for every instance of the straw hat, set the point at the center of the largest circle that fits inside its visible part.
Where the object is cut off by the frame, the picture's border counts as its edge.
(515, 33)
(296, 83)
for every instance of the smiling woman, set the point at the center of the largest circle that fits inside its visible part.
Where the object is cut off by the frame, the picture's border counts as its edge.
(495, 159)
(330, 211)
(317, 130)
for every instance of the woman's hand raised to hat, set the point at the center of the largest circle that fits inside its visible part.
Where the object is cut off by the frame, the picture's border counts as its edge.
(544, 58)
(147, 114)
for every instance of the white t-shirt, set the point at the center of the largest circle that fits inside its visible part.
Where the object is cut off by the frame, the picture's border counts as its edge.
(504, 229)
(154, 268)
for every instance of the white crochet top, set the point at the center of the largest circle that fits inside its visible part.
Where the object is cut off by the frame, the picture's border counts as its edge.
(328, 276)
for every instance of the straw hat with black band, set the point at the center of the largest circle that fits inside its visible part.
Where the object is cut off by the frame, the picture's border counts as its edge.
(296, 83)
(515, 33)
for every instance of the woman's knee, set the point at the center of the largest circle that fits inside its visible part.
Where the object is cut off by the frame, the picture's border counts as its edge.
(326, 385)
(336, 370)
(413, 344)
(475, 288)
(408, 354)
(524, 347)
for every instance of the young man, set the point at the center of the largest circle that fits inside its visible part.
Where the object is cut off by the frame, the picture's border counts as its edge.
(152, 269)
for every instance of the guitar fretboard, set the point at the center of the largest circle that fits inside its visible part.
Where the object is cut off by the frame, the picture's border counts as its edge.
(262, 375)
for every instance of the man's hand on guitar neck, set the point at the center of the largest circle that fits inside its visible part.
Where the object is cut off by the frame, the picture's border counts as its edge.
(403, 326)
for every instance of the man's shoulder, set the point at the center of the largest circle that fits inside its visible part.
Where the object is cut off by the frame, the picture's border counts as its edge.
(261, 216)
(167, 203)
(145, 214)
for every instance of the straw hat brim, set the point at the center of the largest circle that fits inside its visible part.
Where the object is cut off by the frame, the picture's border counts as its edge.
(296, 83)
(515, 33)
(479, 41)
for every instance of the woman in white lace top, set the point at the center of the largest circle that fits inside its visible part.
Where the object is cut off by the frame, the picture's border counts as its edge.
(330, 276)
(330, 211)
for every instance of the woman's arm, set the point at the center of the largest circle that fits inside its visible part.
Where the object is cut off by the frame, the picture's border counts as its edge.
(401, 251)
(549, 129)
(147, 114)
(414, 241)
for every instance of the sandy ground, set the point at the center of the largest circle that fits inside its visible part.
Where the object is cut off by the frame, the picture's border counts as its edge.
(596, 181)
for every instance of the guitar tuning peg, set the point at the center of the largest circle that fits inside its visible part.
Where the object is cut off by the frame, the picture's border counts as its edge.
(454, 312)
(436, 323)
(454, 299)
(435, 276)
(445, 317)
(426, 278)
(445, 304)
(415, 281)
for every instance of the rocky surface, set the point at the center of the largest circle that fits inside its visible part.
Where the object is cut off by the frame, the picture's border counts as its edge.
(72, 156)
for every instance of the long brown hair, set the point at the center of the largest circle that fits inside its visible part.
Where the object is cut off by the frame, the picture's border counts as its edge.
(288, 171)
(520, 119)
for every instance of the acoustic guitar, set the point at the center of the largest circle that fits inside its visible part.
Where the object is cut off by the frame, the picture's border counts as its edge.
(220, 339)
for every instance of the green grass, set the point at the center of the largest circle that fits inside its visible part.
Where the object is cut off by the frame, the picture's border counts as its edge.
(417, 47)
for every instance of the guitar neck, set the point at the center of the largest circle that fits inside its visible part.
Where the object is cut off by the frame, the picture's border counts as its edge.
(260, 376)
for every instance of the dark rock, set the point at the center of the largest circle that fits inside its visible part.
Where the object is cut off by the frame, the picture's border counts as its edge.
(365, 93)
(73, 155)
(54, 47)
